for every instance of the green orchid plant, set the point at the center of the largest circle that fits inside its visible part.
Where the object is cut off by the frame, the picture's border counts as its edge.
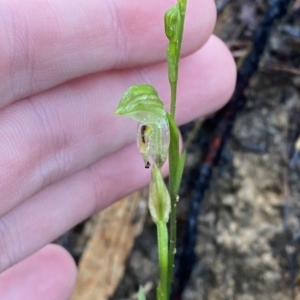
(157, 139)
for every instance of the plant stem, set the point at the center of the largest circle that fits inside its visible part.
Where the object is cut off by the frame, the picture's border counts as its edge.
(173, 98)
(173, 173)
(162, 239)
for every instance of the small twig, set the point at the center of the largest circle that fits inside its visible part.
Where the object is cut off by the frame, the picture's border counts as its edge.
(282, 68)
(193, 133)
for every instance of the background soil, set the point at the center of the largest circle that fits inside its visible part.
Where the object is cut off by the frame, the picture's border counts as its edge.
(248, 238)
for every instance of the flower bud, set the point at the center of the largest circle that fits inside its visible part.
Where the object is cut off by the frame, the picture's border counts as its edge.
(159, 198)
(172, 16)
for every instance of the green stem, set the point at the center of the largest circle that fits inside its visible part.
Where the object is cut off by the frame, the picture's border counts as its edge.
(162, 240)
(173, 78)
(173, 98)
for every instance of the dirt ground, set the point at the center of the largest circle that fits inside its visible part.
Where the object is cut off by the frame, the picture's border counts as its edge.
(248, 238)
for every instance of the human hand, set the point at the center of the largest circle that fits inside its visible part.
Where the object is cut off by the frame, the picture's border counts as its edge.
(64, 155)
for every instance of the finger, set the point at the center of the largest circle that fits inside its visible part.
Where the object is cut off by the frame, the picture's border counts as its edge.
(46, 43)
(48, 274)
(52, 136)
(60, 206)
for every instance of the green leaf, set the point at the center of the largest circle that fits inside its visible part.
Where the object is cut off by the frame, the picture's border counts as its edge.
(179, 171)
(141, 294)
(141, 103)
(159, 199)
(176, 160)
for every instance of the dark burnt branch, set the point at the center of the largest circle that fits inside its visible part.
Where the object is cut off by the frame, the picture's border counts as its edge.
(224, 121)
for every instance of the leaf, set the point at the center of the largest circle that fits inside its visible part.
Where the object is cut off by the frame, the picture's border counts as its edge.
(159, 199)
(179, 171)
(176, 160)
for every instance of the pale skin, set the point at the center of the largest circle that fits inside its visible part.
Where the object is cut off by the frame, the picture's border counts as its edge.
(64, 155)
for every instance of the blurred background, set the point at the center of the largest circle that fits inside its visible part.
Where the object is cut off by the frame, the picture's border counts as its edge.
(239, 208)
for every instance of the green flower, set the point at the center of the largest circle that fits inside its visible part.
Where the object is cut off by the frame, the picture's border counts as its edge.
(141, 103)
